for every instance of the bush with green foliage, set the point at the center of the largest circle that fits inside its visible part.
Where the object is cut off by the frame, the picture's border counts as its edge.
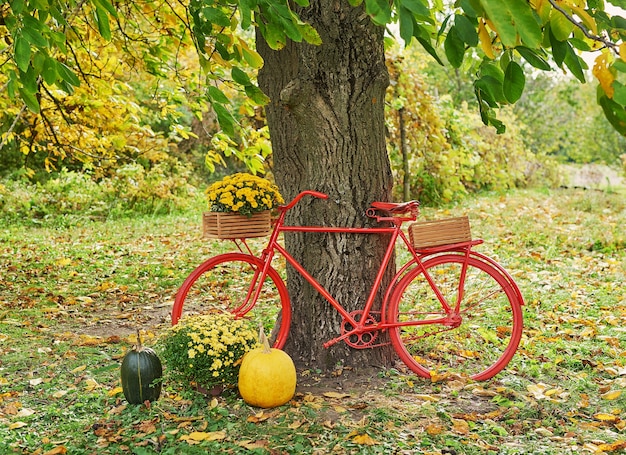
(450, 151)
(163, 188)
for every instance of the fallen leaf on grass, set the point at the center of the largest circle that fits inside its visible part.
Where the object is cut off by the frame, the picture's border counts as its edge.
(364, 439)
(60, 450)
(612, 447)
(460, 426)
(612, 395)
(336, 395)
(253, 445)
(199, 436)
(16, 425)
(115, 391)
(435, 429)
(262, 416)
(610, 418)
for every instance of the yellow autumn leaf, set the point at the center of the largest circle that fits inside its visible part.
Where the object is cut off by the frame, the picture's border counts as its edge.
(62, 262)
(603, 74)
(612, 395)
(115, 391)
(364, 439)
(205, 436)
(612, 447)
(16, 425)
(485, 40)
(91, 384)
(78, 369)
(588, 21)
(603, 417)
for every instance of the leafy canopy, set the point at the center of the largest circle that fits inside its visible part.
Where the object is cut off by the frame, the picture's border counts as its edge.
(40, 41)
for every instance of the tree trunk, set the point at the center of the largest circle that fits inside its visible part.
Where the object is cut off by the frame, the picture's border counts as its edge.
(326, 120)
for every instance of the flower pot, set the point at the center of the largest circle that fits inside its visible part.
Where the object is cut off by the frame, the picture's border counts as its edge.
(228, 225)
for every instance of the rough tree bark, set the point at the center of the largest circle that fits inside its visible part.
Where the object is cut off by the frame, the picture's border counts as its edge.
(326, 120)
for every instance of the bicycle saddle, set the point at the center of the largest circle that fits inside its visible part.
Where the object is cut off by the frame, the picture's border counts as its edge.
(393, 207)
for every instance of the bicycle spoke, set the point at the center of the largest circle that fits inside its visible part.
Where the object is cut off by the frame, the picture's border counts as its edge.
(482, 338)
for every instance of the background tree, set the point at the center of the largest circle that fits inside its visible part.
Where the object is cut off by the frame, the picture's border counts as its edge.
(325, 76)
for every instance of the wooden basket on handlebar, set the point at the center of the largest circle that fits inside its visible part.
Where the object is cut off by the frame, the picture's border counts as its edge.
(427, 234)
(227, 225)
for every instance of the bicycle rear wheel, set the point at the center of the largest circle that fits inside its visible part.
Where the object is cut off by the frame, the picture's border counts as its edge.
(226, 282)
(490, 326)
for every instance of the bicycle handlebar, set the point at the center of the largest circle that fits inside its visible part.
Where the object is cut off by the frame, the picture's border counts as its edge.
(296, 199)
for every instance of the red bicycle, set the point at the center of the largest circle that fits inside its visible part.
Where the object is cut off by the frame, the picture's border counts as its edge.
(449, 310)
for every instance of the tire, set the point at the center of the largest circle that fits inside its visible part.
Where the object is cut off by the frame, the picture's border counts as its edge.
(491, 320)
(222, 283)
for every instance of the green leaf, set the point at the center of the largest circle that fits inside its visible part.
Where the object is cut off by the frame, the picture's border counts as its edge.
(34, 37)
(102, 19)
(256, 95)
(291, 29)
(574, 63)
(239, 76)
(303, 3)
(454, 48)
(245, 13)
(513, 17)
(534, 58)
(30, 99)
(215, 16)
(274, 35)
(49, 71)
(614, 112)
(469, 7)
(466, 30)
(310, 35)
(415, 6)
(619, 65)
(225, 119)
(423, 37)
(619, 95)
(67, 74)
(559, 49)
(514, 82)
(406, 24)
(560, 26)
(379, 11)
(252, 58)
(215, 94)
(22, 52)
(105, 5)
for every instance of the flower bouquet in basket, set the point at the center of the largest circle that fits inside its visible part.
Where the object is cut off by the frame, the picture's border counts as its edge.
(206, 350)
(240, 207)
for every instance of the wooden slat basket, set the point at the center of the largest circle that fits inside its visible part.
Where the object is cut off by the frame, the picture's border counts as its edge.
(226, 225)
(427, 234)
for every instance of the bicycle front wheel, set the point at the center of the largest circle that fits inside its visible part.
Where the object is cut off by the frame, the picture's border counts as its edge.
(480, 343)
(227, 282)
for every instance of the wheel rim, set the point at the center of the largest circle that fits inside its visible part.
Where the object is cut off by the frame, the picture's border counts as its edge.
(489, 330)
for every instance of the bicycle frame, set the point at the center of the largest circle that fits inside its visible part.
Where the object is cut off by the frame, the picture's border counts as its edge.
(364, 324)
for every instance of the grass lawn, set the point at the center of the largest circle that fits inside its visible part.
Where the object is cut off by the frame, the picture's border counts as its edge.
(71, 299)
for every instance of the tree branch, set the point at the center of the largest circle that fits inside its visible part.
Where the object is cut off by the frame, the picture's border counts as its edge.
(600, 39)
